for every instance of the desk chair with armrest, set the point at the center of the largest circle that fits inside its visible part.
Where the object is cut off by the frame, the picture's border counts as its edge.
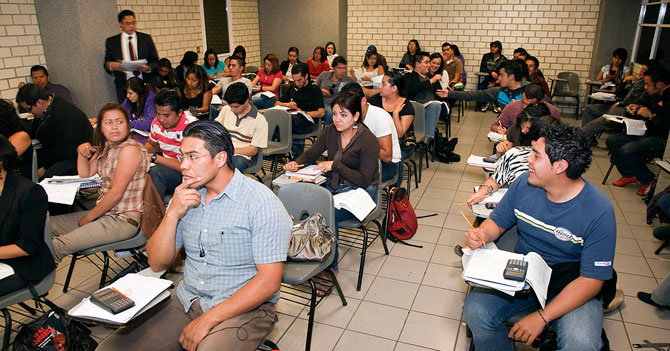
(255, 165)
(566, 85)
(277, 150)
(420, 134)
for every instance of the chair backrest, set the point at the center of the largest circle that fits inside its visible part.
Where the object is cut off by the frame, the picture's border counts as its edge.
(255, 164)
(419, 121)
(572, 84)
(378, 200)
(303, 199)
(35, 176)
(47, 234)
(279, 119)
(252, 69)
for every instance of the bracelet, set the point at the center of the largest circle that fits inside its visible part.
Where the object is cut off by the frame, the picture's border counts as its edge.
(541, 316)
(487, 186)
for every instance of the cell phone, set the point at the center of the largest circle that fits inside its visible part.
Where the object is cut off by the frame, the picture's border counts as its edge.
(516, 270)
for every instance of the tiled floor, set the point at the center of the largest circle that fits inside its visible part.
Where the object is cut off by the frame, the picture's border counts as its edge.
(412, 298)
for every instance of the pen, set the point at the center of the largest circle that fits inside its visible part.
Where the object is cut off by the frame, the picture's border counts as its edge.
(472, 227)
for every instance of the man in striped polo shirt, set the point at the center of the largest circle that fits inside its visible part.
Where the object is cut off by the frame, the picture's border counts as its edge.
(165, 138)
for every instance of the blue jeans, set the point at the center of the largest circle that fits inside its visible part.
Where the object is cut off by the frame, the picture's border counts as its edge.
(327, 115)
(213, 111)
(405, 154)
(343, 215)
(630, 154)
(262, 102)
(432, 117)
(165, 179)
(241, 162)
(487, 310)
(389, 170)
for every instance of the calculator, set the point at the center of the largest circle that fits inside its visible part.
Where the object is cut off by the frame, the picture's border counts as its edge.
(112, 301)
(516, 270)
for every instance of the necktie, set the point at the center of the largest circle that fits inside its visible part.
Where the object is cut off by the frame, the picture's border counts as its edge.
(133, 57)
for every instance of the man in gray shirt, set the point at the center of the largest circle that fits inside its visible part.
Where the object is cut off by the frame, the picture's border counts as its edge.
(331, 83)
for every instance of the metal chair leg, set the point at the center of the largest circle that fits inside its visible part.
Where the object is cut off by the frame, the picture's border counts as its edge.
(310, 323)
(608, 173)
(105, 268)
(382, 234)
(365, 247)
(8, 329)
(660, 248)
(69, 272)
(333, 277)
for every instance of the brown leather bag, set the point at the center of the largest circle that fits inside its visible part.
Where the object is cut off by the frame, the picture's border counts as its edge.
(154, 209)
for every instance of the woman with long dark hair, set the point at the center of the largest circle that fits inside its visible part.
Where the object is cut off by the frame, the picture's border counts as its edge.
(212, 65)
(140, 107)
(318, 62)
(269, 78)
(12, 128)
(408, 59)
(196, 95)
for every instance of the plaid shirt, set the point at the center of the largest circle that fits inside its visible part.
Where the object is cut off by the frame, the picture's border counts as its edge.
(243, 226)
(132, 197)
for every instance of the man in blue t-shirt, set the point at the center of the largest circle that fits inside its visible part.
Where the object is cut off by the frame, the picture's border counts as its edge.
(571, 224)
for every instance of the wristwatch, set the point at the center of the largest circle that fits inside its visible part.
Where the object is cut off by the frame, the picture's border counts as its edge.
(487, 186)
(153, 158)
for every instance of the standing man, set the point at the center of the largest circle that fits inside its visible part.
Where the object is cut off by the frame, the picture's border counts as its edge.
(236, 234)
(570, 223)
(331, 84)
(129, 46)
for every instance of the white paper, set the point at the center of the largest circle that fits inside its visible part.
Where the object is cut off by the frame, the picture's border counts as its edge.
(216, 100)
(140, 132)
(357, 201)
(495, 137)
(300, 113)
(279, 107)
(478, 161)
(635, 126)
(5, 270)
(494, 198)
(141, 289)
(358, 72)
(377, 80)
(60, 193)
(268, 94)
(72, 179)
(538, 276)
(614, 118)
(130, 66)
(309, 170)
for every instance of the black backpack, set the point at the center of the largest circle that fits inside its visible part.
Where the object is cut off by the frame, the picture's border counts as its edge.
(54, 331)
(444, 148)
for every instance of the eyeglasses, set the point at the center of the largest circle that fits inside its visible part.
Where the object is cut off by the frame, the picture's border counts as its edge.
(191, 156)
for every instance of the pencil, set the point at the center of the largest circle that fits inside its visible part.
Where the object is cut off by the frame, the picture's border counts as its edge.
(477, 199)
(471, 226)
(120, 293)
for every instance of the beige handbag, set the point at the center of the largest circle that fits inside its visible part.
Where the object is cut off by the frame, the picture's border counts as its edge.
(311, 239)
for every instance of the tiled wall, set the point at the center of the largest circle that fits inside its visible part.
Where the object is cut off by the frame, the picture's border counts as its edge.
(20, 45)
(559, 32)
(176, 28)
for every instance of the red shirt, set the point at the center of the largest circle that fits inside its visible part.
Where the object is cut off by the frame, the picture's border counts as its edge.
(315, 71)
(266, 80)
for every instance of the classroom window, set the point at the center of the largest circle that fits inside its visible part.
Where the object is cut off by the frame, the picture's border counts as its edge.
(217, 33)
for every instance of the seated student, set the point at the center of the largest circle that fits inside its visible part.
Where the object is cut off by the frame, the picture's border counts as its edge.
(513, 163)
(306, 97)
(452, 65)
(570, 223)
(165, 138)
(381, 125)
(331, 83)
(140, 107)
(352, 155)
(12, 128)
(409, 58)
(518, 134)
(533, 74)
(291, 61)
(370, 68)
(239, 52)
(491, 63)
(437, 67)
(511, 84)
(402, 114)
(40, 76)
(196, 95)
(166, 77)
(457, 54)
(593, 121)
(616, 71)
(230, 304)
(520, 53)
(235, 69)
(247, 127)
(419, 88)
(269, 78)
(660, 297)
(331, 52)
(24, 210)
(380, 58)
(212, 66)
(318, 62)
(122, 163)
(630, 152)
(189, 60)
(532, 94)
(59, 126)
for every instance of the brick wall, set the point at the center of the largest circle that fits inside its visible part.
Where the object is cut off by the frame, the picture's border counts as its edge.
(20, 45)
(176, 28)
(560, 33)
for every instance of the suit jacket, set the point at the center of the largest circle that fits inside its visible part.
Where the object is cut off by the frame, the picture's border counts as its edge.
(23, 210)
(145, 50)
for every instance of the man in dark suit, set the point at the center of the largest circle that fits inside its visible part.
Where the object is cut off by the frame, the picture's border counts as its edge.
(129, 45)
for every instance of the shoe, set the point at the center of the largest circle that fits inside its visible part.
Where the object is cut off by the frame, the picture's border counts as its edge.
(593, 142)
(644, 189)
(617, 301)
(497, 109)
(623, 181)
(646, 297)
(484, 108)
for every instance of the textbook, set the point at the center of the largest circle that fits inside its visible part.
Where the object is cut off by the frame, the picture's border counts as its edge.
(485, 267)
(356, 201)
(478, 161)
(495, 137)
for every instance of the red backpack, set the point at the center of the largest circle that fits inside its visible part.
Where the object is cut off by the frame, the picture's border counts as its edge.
(402, 221)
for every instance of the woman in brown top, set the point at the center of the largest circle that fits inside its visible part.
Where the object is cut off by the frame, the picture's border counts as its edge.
(122, 163)
(352, 154)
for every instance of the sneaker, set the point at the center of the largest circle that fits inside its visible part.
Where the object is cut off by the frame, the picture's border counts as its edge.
(644, 189)
(484, 108)
(623, 181)
(497, 109)
(646, 297)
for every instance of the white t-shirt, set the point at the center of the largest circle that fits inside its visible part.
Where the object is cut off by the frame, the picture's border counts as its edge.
(380, 124)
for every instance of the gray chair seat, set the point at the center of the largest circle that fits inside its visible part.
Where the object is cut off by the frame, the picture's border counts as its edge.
(136, 241)
(296, 273)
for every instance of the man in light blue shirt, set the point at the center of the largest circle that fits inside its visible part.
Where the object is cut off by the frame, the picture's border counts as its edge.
(236, 233)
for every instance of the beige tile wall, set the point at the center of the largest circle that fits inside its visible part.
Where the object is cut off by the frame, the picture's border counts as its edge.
(559, 32)
(20, 45)
(176, 28)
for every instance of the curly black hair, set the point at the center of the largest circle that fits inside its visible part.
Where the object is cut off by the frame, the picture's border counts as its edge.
(565, 142)
(10, 123)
